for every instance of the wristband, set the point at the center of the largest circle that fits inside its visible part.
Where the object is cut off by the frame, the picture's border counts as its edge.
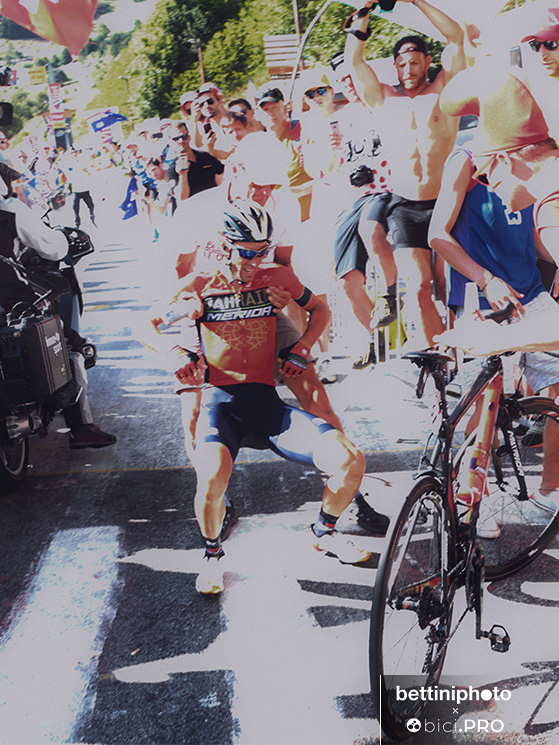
(361, 13)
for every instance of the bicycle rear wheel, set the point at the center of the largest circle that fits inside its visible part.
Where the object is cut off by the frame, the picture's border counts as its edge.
(525, 529)
(412, 609)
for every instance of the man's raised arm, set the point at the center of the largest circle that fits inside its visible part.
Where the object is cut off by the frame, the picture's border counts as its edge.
(369, 87)
(453, 58)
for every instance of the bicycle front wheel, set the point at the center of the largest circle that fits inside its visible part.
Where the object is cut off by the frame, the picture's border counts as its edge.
(412, 609)
(521, 530)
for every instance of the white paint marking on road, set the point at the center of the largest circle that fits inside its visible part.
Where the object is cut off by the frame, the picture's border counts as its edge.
(49, 656)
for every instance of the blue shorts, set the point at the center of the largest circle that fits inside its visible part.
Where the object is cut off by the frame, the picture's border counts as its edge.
(252, 415)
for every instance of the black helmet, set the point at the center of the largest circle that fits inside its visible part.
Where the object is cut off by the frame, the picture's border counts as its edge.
(246, 222)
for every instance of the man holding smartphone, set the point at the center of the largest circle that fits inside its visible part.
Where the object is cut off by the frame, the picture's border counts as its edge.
(196, 170)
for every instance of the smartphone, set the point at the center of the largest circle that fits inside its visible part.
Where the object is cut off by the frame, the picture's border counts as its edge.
(207, 127)
(335, 127)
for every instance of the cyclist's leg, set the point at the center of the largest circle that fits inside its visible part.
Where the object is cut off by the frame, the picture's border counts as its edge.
(296, 435)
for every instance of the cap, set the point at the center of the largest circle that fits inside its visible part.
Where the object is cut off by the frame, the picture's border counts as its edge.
(263, 158)
(209, 88)
(549, 32)
(314, 78)
(509, 117)
(188, 97)
(410, 44)
(267, 94)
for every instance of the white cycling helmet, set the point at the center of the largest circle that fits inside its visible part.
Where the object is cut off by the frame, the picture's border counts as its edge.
(246, 222)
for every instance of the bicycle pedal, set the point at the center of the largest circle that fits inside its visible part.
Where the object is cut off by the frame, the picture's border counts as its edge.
(498, 638)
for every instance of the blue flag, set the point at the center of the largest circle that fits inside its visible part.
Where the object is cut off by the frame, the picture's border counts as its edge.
(129, 206)
(108, 118)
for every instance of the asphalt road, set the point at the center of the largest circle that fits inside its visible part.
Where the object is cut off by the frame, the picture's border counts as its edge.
(103, 638)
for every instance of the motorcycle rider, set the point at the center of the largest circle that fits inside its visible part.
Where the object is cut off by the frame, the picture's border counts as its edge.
(19, 226)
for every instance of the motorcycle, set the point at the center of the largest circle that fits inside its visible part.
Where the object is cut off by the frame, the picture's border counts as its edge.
(36, 380)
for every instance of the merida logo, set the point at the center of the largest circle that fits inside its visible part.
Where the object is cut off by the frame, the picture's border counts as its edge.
(240, 314)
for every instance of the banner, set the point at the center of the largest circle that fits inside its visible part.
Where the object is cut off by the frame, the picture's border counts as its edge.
(37, 75)
(66, 22)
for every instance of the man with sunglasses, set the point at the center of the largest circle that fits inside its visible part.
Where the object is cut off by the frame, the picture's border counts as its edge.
(208, 110)
(242, 106)
(233, 347)
(196, 170)
(275, 115)
(418, 139)
(540, 71)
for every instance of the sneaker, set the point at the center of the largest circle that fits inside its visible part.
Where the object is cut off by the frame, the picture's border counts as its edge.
(368, 359)
(534, 437)
(210, 578)
(384, 312)
(229, 521)
(371, 520)
(336, 544)
(90, 436)
(487, 526)
(324, 372)
(548, 502)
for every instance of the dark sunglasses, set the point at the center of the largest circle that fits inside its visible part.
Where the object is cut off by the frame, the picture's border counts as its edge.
(317, 91)
(208, 101)
(549, 45)
(180, 137)
(244, 253)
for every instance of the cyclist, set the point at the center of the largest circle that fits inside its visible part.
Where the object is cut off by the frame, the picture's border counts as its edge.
(235, 350)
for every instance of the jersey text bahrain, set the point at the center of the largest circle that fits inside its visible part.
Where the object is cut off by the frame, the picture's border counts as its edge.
(238, 325)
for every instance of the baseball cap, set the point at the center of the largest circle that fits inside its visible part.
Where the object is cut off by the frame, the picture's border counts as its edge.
(509, 117)
(263, 158)
(410, 44)
(549, 32)
(267, 94)
(314, 78)
(209, 88)
(188, 97)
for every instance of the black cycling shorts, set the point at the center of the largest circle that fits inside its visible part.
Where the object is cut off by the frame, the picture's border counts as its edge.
(409, 220)
(349, 250)
(252, 415)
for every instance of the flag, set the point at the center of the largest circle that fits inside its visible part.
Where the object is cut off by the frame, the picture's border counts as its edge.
(106, 120)
(66, 22)
(129, 206)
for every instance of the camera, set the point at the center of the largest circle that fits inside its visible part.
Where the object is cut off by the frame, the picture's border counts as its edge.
(361, 175)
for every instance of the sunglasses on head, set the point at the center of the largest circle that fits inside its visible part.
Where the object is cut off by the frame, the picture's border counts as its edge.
(549, 45)
(317, 91)
(208, 101)
(180, 137)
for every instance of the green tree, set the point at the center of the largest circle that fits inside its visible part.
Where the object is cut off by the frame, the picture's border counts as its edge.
(65, 57)
(168, 52)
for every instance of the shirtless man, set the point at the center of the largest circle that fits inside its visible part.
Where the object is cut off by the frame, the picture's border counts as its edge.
(421, 137)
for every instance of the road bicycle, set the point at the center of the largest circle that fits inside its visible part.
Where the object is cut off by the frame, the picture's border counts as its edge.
(435, 546)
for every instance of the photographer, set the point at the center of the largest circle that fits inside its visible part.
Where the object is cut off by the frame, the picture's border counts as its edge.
(20, 228)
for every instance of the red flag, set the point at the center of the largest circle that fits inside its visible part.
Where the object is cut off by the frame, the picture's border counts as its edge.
(66, 22)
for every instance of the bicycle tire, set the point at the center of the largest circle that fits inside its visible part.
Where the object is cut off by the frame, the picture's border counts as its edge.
(525, 529)
(407, 644)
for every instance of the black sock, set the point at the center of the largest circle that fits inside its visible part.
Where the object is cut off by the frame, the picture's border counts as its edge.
(325, 524)
(213, 547)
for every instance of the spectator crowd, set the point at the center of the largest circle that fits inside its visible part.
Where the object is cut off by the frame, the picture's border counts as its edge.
(376, 200)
